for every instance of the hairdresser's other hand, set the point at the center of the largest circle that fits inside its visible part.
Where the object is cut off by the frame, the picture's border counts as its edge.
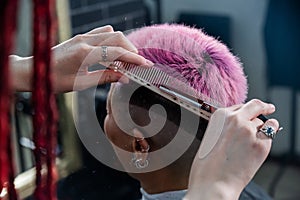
(239, 152)
(72, 59)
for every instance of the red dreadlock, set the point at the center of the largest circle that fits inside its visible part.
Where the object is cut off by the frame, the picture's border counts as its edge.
(45, 117)
(8, 22)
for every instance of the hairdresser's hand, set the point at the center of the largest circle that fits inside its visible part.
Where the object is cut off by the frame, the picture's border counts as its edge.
(72, 58)
(241, 148)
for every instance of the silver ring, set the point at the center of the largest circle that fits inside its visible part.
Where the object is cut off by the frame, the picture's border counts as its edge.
(268, 131)
(104, 53)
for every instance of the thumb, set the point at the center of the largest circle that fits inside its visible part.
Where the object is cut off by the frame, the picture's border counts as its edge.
(108, 76)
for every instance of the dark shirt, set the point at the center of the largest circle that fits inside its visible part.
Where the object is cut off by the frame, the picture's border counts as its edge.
(251, 192)
(254, 192)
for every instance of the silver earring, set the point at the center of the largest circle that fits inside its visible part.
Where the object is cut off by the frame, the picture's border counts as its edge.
(139, 160)
(140, 164)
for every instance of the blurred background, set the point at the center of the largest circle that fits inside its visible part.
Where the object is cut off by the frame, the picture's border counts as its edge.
(264, 34)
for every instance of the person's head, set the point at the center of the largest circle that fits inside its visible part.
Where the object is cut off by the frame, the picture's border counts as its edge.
(208, 67)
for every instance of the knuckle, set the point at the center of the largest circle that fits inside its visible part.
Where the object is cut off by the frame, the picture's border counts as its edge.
(243, 128)
(257, 147)
(119, 35)
(81, 51)
(120, 51)
(220, 112)
(83, 48)
(78, 38)
(257, 102)
(108, 28)
(261, 148)
(234, 119)
(231, 118)
(247, 129)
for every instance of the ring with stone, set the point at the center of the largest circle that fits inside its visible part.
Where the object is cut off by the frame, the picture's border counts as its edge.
(268, 131)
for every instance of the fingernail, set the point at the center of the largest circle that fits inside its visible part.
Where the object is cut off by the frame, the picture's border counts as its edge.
(135, 50)
(149, 63)
(272, 105)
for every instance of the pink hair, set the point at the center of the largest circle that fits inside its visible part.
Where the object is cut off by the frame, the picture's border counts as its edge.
(205, 62)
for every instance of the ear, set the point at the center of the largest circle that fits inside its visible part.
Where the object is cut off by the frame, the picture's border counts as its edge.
(140, 144)
(141, 148)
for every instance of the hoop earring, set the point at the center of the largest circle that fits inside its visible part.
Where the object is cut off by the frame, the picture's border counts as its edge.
(140, 164)
(139, 158)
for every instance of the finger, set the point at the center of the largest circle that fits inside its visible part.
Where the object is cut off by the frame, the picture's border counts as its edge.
(118, 39)
(130, 57)
(120, 54)
(255, 107)
(257, 123)
(103, 29)
(106, 76)
(95, 78)
(96, 55)
(271, 125)
(235, 107)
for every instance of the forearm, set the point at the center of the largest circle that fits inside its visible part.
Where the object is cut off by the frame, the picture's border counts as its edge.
(21, 73)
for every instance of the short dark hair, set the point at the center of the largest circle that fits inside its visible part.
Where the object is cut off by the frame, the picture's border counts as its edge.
(139, 104)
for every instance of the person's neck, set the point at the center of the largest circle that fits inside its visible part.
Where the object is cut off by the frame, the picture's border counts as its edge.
(163, 181)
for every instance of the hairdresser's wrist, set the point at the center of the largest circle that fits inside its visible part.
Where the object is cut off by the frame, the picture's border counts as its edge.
(21, 73)
(218, 190)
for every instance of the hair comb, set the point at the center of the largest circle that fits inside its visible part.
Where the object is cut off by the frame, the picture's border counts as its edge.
(165, 85)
